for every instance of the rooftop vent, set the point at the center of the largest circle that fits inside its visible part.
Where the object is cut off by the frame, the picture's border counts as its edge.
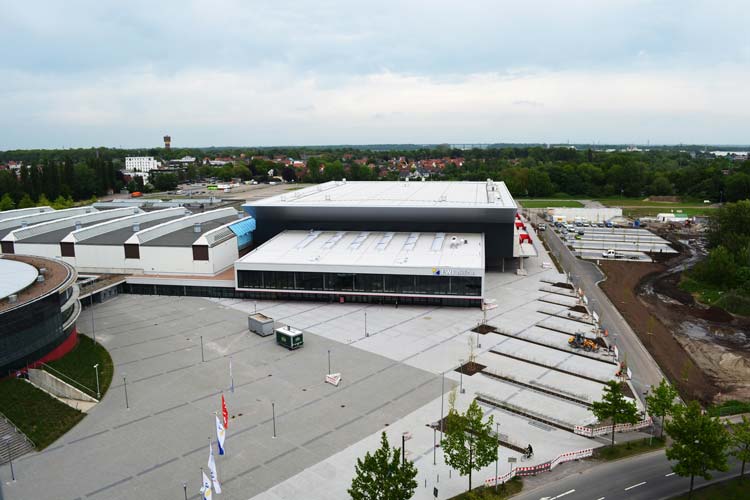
(12, 298)
(40, 278)
(197, 228)
(88, 210)
(78, 225)
(240, 215)
(136, 227)
(24, 224)
(328, 197)
(42, 270)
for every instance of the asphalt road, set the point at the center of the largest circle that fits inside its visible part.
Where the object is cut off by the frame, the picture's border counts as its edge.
(645, 477)
(586, 275)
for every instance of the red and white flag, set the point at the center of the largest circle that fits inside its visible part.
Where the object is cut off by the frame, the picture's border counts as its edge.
(224, 412)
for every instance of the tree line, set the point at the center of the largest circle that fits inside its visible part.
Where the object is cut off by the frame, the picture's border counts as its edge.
(727, 267)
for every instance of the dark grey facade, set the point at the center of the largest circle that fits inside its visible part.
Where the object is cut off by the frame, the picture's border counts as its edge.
(497, 223)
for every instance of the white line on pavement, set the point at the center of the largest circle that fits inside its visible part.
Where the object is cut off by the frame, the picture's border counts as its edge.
(562, 494)
(635, 486)
(600, 498)
(670, 474)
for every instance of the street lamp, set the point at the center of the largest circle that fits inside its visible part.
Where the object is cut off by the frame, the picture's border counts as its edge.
(184, 489)
(461, 370)
(6, 438)
(497, 454)
(96, 370)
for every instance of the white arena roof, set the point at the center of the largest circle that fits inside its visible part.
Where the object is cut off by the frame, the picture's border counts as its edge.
(487, 194)
(369, 252)
(15, 276)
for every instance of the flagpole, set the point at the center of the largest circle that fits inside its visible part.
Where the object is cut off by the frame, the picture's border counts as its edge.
(231, 377)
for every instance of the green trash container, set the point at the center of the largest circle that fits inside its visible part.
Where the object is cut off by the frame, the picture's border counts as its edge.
(289, 337)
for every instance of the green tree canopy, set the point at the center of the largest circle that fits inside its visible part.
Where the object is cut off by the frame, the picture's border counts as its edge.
(7, 203)
(383, 476)
(699, 443)
(740, 436)
(614, 407)
(468, 443)
(26, 202)
(661, 401)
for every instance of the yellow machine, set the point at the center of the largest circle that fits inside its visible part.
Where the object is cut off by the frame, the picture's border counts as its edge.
(578, 341)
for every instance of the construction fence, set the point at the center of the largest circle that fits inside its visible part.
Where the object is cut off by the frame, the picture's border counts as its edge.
(539, 468)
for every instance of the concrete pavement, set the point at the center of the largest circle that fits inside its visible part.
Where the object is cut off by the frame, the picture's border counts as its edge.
(586, 275)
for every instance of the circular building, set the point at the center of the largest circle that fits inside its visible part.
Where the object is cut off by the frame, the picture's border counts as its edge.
(38, 311)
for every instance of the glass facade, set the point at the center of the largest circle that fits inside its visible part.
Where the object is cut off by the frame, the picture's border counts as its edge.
(367, 283)
(29, 332)
(312, 296)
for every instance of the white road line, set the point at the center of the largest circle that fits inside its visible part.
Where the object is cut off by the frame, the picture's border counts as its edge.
(635, 486)
(600, 498)
(670, 474)
(562, 494)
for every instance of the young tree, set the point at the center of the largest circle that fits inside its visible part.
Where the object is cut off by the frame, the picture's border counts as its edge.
(468, 442)
(615, 407)
(699, 443)
(383, 476)
(661, 401)
(26, 202)
(6, 202)
(740, 436)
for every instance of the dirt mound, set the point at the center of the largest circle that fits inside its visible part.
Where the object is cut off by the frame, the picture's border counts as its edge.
(667, 199)
(623, 279)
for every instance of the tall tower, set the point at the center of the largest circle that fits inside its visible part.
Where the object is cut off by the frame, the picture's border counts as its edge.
(167, 142)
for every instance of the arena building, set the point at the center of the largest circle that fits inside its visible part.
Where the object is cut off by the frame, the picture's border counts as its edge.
(367, 266)
(427, 207)
(38, 311)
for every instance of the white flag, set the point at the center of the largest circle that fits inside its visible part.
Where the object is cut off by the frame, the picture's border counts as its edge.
(220, 434)
(206, 488)
(212, 469)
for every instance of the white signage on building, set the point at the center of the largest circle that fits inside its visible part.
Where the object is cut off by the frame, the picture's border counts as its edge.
(443, 271)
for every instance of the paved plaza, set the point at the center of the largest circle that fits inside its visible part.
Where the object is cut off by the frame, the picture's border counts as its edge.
(395, 363)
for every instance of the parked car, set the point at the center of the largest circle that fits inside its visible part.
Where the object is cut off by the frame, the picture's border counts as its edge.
(542, 226)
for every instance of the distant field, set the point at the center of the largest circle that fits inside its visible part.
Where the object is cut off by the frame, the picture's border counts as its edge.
(635, 202)
(539, 203)
(652, 211)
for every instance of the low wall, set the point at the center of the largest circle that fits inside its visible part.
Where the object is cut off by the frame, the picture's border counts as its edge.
(53, 385)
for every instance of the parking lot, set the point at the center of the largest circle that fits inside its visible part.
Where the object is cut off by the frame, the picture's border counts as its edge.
(618, 243)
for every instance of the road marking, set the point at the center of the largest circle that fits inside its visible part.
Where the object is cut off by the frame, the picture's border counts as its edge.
(670, 474)
(635, 486)
(600, 498)
(562, 494)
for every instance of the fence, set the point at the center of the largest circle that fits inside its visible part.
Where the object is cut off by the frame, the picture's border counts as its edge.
(606, 429)
(543, 467)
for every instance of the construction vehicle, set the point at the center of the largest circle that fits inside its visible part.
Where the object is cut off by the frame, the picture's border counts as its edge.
(578, 341)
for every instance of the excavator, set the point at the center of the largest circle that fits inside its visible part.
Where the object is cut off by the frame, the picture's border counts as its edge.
(578, 341)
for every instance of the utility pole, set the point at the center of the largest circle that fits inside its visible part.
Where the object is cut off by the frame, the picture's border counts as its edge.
(202, 358)
(442, 399)
(497, 455)
(273, 413)
(125, 386)
(329, 361)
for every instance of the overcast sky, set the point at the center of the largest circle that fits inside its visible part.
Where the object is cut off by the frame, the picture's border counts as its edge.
(281, 72)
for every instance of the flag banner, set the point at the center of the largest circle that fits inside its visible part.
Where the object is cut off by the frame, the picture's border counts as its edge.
(212, 470)
(220, 435)
(224, 412)
(206, 488)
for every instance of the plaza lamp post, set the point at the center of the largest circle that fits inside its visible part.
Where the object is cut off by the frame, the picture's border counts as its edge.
(96, 370)
(6, 438)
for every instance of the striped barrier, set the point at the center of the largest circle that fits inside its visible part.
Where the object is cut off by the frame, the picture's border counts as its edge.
(583, 430)
(536, 469)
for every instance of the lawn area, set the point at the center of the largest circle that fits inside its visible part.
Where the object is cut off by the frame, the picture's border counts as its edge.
(548, 203)
(41, 417)
(733, 489)
(650, 212)
(639, 202)
(506, 490)
(628, 449)
(79, 363)
(729, 300)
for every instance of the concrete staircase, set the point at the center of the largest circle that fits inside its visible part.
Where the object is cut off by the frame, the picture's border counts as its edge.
(19, 443)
